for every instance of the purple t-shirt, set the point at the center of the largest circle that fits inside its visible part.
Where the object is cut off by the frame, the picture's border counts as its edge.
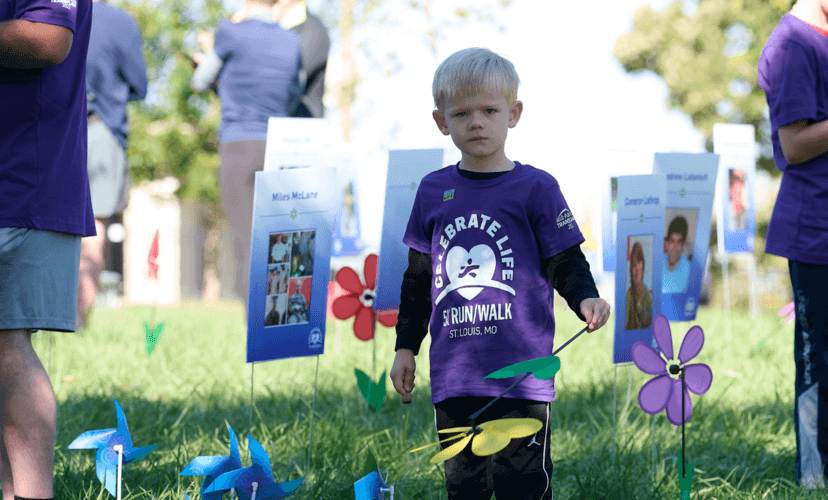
(492, 304)
(793, 71)
(43, 178)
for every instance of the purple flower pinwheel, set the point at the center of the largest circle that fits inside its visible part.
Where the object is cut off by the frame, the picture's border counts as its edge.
(665, 391)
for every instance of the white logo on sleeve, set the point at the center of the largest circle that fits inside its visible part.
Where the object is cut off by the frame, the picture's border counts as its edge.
(471, 271)
(565, 218)
(67, 4)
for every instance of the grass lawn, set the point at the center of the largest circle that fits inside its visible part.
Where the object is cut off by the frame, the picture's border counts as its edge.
(196, 382)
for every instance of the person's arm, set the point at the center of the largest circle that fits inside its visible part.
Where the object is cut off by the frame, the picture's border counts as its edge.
(803, 140)
(568, 272)
(134, 66)
(207, 72)
(30, 45)
(297, 88)
(415, 302)
(412, 321)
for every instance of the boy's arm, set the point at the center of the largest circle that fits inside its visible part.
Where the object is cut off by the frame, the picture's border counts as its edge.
(803, 140)
(415, 302)
(568, 272)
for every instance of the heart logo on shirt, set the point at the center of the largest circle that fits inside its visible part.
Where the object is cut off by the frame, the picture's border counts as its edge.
(465, 269)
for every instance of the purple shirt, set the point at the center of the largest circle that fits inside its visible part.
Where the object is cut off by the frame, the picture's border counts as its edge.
(793, 71)
(492, 305)
(260, 76)
(43, 178)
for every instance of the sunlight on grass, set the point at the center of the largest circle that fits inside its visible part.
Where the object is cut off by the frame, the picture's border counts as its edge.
(196, 381)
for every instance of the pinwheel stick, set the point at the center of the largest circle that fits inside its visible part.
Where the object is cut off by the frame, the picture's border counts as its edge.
(478, 412)
(120, 449)
(683, 472)
(255, 487)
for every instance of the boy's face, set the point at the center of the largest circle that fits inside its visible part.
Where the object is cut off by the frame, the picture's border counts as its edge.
(478, 123)
(675, 246)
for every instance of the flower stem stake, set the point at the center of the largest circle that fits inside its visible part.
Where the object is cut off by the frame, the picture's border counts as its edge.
(675, 378)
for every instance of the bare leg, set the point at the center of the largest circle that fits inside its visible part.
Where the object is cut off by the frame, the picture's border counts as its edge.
(91, 265)
(28, 414)
(5, 471)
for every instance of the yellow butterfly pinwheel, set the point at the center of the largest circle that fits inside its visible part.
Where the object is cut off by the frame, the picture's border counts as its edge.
(487, 438)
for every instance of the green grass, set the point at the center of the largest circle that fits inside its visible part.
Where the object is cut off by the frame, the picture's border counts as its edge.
(196, 381)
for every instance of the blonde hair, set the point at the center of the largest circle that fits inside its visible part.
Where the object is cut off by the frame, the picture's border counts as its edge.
(471, 71)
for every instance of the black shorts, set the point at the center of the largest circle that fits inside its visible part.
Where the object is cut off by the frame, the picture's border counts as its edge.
(521, 471)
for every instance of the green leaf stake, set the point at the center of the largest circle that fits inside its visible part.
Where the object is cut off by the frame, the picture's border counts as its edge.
(686, 482)
(153, 335)
(373, 393)
(542, 368)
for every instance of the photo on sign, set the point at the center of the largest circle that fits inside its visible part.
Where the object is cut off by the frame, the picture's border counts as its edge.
(737, 213)
(289, 278)
(280, 246)
(679, 240)
(639, 298)
(299, 292)
(302, 253)
(276, 307)
(277, 278)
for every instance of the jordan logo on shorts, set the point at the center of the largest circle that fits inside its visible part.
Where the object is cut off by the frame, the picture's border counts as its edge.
(533, 441)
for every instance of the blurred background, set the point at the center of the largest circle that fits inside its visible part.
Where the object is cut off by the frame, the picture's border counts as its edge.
(595, 76)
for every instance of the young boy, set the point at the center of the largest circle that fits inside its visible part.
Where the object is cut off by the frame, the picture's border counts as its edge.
(793, 69)
(485, 236)
(676, 270)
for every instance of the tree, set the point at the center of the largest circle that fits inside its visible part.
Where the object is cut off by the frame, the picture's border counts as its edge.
(707, 52)
(177, 133)
(360, 13)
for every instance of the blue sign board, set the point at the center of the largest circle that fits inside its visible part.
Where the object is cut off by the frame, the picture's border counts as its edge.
(406, 168)
(690, 181)
(290, 253)
(638, 257)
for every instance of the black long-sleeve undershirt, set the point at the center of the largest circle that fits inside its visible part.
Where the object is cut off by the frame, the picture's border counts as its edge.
(568, 272)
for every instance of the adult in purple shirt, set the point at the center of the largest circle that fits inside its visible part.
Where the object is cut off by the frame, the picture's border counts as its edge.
(45, 209)
(793, 72)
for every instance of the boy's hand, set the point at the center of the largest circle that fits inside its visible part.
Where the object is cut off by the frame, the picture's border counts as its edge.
(596, 312)
(402, 374)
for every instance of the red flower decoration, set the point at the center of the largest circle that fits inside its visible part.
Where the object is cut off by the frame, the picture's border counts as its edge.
(358, 300)
(152, 258)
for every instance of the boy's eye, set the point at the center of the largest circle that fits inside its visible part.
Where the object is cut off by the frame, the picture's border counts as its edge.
(460, 113)
(491, 110)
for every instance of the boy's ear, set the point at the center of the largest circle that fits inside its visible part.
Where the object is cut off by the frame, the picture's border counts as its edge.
(440, 120)
(514, 113)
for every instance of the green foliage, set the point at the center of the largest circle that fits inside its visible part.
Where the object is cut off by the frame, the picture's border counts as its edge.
(177, 135)
(707, 59)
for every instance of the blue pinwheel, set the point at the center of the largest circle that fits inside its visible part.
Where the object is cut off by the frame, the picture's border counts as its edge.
(255, 482)
(214, 466)
(105, 440)
(372, 487)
